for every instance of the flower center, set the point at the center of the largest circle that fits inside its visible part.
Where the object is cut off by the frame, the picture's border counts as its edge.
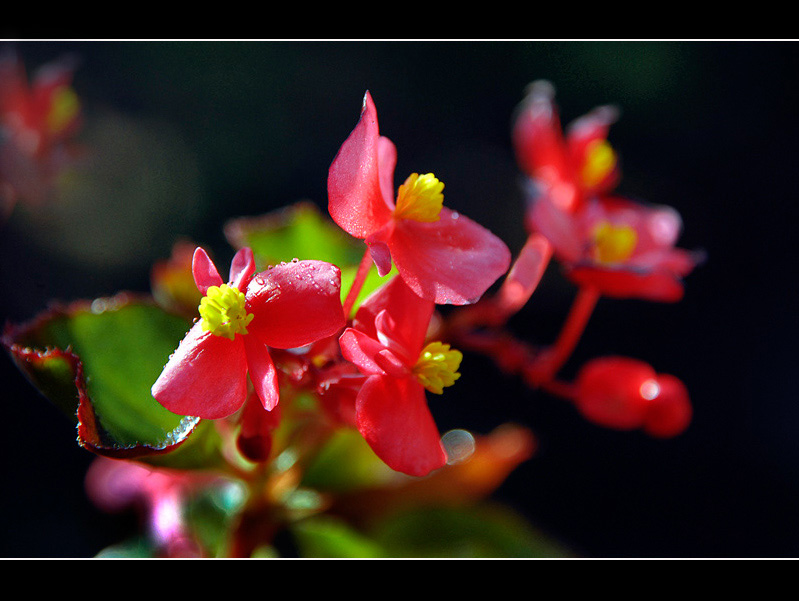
(613, 244)
(420, 198)
(223, 311)
(437, 366)
(600, 160)
(63, 109)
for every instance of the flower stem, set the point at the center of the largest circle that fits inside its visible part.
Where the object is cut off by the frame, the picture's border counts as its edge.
(553, 359)
(357, 284)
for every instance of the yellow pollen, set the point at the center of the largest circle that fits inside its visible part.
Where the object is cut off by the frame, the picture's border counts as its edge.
(600, 160)
(437, 366)
(63, 109)
(420, 198)
(223, 311)
(613, 244)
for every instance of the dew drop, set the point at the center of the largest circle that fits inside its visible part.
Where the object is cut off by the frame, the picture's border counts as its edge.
(459, 446)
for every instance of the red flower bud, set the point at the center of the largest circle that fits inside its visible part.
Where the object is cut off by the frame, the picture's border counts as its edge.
(613, 391)
(625, 393)
(670, 412)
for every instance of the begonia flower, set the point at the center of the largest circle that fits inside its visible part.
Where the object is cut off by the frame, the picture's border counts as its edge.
(387, 344)
(287, 306)
(625, 393)
(569, 166)
(37, 121)
(441, 255)
(623, 248)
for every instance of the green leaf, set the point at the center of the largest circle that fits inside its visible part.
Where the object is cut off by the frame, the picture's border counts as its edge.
(108, 353)
(345, 464)
(299, 231)
(329, 537)
(133, 548)
(211, 516)
(480, 531)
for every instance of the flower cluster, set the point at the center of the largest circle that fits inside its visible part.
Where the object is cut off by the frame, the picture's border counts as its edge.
(442, 257)
(37, 124)
(608, 245)
(276, 334)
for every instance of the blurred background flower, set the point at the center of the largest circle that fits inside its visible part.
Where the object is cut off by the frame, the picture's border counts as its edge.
(183, 136)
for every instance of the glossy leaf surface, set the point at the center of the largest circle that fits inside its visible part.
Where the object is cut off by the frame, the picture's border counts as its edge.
(97, 361)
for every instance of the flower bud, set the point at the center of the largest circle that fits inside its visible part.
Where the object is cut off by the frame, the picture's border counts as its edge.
(625, 393)
(615, 391)
(670, 412)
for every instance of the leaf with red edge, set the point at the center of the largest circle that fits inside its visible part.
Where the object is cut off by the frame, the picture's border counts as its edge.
(97, 361)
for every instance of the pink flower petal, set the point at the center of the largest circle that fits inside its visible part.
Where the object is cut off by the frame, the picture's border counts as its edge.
(661, 286)
(262, 372)
(381, 255)
(525, 274)
(393, 417)
(295, 303)
(450, 261)
(205, 377)
(537, 138)
(386, 163)
(361, 350)
(241, 268)
(355, 198)
(204, 271)
(407, 310)
(557, 226)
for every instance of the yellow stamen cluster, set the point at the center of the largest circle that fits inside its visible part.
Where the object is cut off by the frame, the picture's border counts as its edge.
(600, 160)
(612, 243)
(437, 367)
(63, 109)
(223, 311)
(420, 198)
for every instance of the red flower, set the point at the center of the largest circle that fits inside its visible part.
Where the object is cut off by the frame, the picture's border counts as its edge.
(36, 124)
(567, 168)
(620, 247)
(442, 255)
(624, 393)
(287, 306)
(387, 344)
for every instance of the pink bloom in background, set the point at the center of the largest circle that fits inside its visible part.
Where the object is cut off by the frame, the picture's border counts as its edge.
(622, 248)
(160, 494)
(625, 393)
(442, 255)
(37, 123)
(287, 306)
(387, 344)
(570, 167)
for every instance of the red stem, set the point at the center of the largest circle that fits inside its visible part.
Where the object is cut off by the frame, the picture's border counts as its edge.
(577, 319)
(357, 284)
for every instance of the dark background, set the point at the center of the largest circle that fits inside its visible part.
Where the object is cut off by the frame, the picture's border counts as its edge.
(214, 130)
